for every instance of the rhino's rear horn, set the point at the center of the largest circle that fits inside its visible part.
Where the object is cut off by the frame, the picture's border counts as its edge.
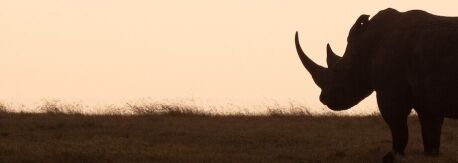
(331, 58)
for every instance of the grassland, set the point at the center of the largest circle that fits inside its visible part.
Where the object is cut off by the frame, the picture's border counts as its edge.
(183, 135)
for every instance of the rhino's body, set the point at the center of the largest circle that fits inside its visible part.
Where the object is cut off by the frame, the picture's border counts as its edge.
(410, 59)
(417, 58)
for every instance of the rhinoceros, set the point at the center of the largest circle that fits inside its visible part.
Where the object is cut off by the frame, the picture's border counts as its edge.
(410, 60)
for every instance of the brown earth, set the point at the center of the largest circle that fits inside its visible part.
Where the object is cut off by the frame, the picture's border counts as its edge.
(48, 137)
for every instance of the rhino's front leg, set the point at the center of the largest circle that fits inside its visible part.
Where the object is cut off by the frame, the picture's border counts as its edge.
(395, 108)
(399, 135)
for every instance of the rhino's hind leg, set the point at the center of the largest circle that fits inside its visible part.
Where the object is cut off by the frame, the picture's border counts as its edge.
(431, 126)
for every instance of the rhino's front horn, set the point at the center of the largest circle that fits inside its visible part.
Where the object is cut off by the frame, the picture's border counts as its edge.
(331, 58)
(319, 73)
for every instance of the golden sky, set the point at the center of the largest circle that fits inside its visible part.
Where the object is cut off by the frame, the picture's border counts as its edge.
(106, 50)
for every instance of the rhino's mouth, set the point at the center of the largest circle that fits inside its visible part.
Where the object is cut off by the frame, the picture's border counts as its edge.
(336, 104)
(338, 107)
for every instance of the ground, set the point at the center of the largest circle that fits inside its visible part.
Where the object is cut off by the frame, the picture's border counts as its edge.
(55, 137)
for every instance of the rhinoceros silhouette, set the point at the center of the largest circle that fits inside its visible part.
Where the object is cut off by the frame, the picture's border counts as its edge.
(410, 59)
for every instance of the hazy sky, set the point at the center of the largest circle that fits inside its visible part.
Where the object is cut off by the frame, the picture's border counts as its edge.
(106, 50)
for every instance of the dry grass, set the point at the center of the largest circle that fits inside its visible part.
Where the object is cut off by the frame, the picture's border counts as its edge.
(163, 133)
(164, 109)
(57, 107)
(3, 108)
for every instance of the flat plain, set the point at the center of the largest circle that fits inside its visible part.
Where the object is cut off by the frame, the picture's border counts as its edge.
(196, 137)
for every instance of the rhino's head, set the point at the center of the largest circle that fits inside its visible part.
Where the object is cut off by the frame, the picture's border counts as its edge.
(346, 81)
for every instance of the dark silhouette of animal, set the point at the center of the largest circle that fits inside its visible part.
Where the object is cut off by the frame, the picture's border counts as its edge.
(410, 59)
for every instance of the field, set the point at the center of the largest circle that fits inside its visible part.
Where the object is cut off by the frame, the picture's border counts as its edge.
(180, 136)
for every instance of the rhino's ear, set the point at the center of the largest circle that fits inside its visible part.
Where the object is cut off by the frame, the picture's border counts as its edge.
(363, 20)
(360, 24)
